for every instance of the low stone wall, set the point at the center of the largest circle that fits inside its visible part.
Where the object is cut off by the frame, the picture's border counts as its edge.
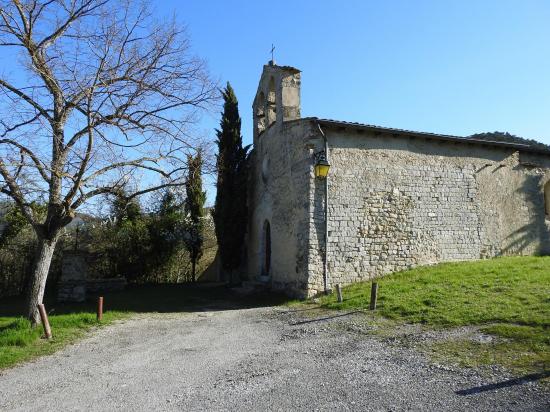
(99, 286)
(79, 291)
(74, 286)
(71, 291)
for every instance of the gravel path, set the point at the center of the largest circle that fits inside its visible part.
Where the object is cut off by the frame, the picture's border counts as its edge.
(251, 359)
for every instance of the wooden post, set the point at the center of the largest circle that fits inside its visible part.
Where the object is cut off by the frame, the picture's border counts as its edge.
(339, 292)
(373, 295)
(45, 321)
(100, 308)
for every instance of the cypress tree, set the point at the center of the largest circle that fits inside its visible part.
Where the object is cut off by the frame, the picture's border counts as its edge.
(194, 208)
(230, 210)
(169, 204)
(124, 208)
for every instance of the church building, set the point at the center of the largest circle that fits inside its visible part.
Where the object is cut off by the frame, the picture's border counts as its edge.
(338, 202)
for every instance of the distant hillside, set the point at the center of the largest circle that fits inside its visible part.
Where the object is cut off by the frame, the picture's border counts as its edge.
(509, 138)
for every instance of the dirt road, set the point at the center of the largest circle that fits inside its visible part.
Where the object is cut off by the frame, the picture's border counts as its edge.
(251, 360)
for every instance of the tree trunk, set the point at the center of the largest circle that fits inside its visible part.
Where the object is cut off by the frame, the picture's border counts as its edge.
(193, 269)
(41, 267)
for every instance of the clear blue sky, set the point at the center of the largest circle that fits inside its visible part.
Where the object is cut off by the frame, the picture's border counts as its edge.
(455, 67)
(445, 66)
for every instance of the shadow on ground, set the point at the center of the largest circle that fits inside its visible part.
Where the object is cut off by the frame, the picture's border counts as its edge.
(156, 298)
(326, 318)
(505, 384)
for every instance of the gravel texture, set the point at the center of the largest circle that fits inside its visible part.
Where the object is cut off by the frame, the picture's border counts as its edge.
(254, 359)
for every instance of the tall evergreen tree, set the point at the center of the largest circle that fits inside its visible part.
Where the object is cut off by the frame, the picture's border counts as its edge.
(230, 211)
(168, 227)
(124, 208)
(194, 208)
(168, 203)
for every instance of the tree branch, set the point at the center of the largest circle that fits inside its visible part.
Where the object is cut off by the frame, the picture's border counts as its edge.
(73, 16)
(25, 97)
(15, 193)
(34, 158)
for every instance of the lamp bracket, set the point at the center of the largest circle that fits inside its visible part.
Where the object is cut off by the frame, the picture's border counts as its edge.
(320, 156)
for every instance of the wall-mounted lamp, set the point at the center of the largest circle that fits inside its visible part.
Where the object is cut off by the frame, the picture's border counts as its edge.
(322, 165)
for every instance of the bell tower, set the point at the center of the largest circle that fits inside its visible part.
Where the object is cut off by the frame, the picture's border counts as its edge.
(277, 98)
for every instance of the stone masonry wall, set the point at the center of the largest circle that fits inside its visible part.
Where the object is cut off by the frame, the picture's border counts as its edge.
(281, 166)
(396, 202)
(72, 284)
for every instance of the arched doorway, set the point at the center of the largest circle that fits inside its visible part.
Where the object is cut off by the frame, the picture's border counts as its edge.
(266, 251)
(547, 199)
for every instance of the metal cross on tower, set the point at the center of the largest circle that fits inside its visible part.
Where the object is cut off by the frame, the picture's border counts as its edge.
(272, 55)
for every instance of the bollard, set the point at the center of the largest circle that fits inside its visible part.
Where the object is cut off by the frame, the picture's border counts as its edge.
(45, 321)
(373, 295)
(339, 292)
(100, 308)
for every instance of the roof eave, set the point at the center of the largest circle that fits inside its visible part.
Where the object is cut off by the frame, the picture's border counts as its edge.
(427, 135)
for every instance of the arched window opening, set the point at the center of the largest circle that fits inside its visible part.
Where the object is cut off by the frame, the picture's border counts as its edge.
(260, 112)
(266, 249)
(547, 199)
(271, 103)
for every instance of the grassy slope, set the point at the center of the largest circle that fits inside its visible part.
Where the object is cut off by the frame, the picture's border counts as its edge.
(510, 297)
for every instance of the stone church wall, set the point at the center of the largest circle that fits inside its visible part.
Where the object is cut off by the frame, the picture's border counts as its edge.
(280, 175)
(397, 202)
(397, 199)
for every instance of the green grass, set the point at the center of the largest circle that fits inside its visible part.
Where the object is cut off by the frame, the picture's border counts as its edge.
(509, 297)
(19, 342)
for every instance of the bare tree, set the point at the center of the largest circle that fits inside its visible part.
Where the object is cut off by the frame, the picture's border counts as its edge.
(102, 100)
